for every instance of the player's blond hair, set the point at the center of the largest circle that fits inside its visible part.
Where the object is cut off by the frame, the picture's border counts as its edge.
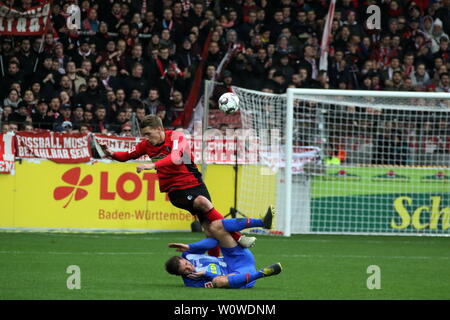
(152, 121)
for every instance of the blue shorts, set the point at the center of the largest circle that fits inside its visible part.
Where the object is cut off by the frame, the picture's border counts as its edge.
(239, 260)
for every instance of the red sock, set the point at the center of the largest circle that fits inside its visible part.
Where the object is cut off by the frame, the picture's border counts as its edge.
(213, 215)
(215, 252)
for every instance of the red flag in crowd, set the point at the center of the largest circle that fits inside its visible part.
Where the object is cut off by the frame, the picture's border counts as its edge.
(325, 46)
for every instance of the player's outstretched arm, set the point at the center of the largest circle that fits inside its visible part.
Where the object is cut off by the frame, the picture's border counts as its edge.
(106, 150)
(196, 247)
(180, 247)
(142, 167)
(134, 153)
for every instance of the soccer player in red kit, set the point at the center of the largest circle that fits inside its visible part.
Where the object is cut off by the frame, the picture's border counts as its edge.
(177, 173)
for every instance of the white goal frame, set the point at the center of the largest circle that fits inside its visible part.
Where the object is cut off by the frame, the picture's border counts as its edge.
(296, 92)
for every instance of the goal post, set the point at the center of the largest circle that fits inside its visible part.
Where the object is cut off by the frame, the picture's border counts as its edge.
(348, 162)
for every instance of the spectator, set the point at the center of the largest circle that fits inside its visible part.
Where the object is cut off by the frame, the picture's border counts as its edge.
(13, 127)
(420, 78)
(111, 105)
(126, 130)
(60, 58)
(84, 129)
(436, 35)
(66, 85)
(65, 98)
(40, 119)
(152, 102)
(141, 113)
(110, 55)
(408, 64)
(54, 108)
(74, 77)
(276, 26)
(185, 57)
(149, 71)
(169, 75)
(100, 124)
(167, 42)
(396, 84)
(77, 117)
(443, 51)
(120, 99)
(7, 51)
(115, 17)
(29, 99)
(88, 118)
(354, 27)
(28, 127)
(95, 94)
(27, 59)
(106, 80)
(119, 122)
(13, 75)
(277, 83)
(284, 66)
(13, 99)
(63, 122)
(21, 115)
(214, 54)
(83, 53)
(5, 127)
(444, 83)
(177, 106)
(388, 73)
(101, 38)
(91, 22)
(310, 61)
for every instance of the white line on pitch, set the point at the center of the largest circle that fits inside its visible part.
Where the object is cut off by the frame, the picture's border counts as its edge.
(361, 257)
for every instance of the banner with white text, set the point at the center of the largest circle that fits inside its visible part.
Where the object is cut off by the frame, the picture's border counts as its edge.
(31, 22)
(6, 152)
(58, 147)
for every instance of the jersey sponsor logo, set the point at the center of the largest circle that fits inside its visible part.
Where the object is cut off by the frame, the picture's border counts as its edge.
(212, 267)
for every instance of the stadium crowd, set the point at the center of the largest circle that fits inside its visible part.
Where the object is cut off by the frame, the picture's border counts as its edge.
(132, 57)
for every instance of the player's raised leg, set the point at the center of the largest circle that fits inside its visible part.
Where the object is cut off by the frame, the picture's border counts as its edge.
(205, 206)
(233, 225)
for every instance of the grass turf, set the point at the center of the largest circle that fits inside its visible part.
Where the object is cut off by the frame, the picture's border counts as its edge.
(130, 266)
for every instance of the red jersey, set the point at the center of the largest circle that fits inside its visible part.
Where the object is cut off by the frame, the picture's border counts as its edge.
(175, 164)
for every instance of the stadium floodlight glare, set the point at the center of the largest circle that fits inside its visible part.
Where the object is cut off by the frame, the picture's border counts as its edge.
(349, 161)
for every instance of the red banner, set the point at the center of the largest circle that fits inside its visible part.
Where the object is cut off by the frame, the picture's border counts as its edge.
(217, 150)
(6, 152)
(58, 147)
(30, 22)
(117, 144)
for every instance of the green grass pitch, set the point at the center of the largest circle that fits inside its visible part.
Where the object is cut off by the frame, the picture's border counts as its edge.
(130, 266)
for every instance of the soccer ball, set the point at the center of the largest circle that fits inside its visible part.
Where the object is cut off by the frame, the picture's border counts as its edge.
(229, 102)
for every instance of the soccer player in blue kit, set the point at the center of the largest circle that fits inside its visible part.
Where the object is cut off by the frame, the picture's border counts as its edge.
(236, 269)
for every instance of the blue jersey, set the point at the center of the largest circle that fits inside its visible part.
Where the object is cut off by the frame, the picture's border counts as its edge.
(234, 260)
(214, 266)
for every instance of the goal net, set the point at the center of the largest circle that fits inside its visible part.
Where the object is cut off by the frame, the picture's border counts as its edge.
(347, 162)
